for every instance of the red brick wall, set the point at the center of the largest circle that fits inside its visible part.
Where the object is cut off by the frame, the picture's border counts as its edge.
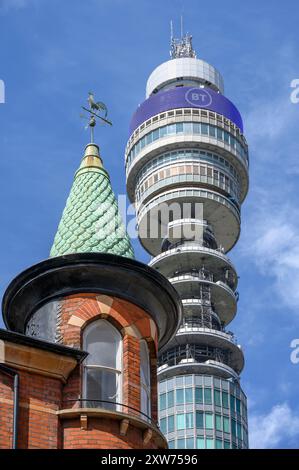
(102, 434)
(38, 424)
(41, 397)
(131, 372)
(134, 324)
(6, 411)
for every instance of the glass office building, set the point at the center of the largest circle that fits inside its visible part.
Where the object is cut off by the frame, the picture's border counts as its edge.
(187, 173)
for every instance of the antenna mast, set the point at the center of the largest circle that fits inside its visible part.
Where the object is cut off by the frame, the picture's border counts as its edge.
(181, 47)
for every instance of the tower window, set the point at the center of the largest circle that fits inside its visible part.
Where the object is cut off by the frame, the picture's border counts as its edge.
(103, 366)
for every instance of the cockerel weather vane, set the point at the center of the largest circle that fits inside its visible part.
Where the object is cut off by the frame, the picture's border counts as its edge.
(96, 108)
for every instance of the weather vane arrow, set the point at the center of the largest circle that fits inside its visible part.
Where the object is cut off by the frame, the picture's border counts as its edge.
(95, 107)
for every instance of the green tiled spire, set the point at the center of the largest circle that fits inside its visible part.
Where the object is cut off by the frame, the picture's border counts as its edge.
(91, 221)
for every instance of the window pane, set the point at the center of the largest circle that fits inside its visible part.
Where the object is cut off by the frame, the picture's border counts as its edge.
(145, 378)
(163, 425)
(226, 445)
(225, 399)
(101, 385)
(171, 128)
(181, 444)
(171, 444)
(155, 134)
(190, 443)
(188, 380)
(200, 443)
(179, 128)
(239, 431)
(163, 401)
(218, 422)
(163, 131)
(180, 396)
(207, 380)
(199, 419)
(170, 398)
(217, 398)
(189, 395)
(226, 137)
(189, 420)
(180, 421)
(225, 424)
(187, 128)
(238, 405)
(210, 443)
(149, 138)
(179, 381)
(209, 420)
(145, 402)
(102, 341)
(198, 395)
(208, 396)
(144, 363)
(212, 131)
(233, 424)
(232, 403)
(218, 444)
(196, 128)
(219, 134)
(171, 423)
(204, 129)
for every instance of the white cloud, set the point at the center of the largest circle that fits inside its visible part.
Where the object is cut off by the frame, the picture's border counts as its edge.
(271, 131)
(266, 121)
(280, 427)
(271, 236)
(272, 243)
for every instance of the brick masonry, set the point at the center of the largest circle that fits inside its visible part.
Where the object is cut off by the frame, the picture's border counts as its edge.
(38, 423)
(41, 396)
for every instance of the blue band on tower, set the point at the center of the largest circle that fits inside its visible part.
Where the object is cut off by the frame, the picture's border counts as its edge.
(186, 97)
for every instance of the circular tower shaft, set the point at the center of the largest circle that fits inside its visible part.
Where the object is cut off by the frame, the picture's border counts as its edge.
(187, 173)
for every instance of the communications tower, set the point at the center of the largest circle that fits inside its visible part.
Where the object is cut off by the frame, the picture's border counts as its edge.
(187, 173)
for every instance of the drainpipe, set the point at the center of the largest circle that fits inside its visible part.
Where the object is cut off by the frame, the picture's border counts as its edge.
(12, 373)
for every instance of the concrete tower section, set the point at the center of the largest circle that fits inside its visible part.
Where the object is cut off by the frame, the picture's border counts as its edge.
(187, 173)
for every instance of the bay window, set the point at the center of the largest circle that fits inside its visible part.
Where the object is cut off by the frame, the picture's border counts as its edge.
(102, 375)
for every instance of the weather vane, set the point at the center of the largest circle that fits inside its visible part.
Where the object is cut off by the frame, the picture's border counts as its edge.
(94, 110)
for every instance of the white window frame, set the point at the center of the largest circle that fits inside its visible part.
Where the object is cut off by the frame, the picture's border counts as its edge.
(144, 386)
(118, 370)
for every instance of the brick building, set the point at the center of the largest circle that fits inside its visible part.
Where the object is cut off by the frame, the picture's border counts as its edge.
(78, 360)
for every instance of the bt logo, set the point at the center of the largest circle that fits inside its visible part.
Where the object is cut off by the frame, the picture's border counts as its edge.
(199, 98)
(2, 92)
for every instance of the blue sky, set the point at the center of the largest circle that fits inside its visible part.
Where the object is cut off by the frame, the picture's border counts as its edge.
(52, 53)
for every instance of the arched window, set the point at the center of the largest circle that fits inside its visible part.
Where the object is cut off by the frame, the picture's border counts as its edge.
(103, 365)
(145, 379)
